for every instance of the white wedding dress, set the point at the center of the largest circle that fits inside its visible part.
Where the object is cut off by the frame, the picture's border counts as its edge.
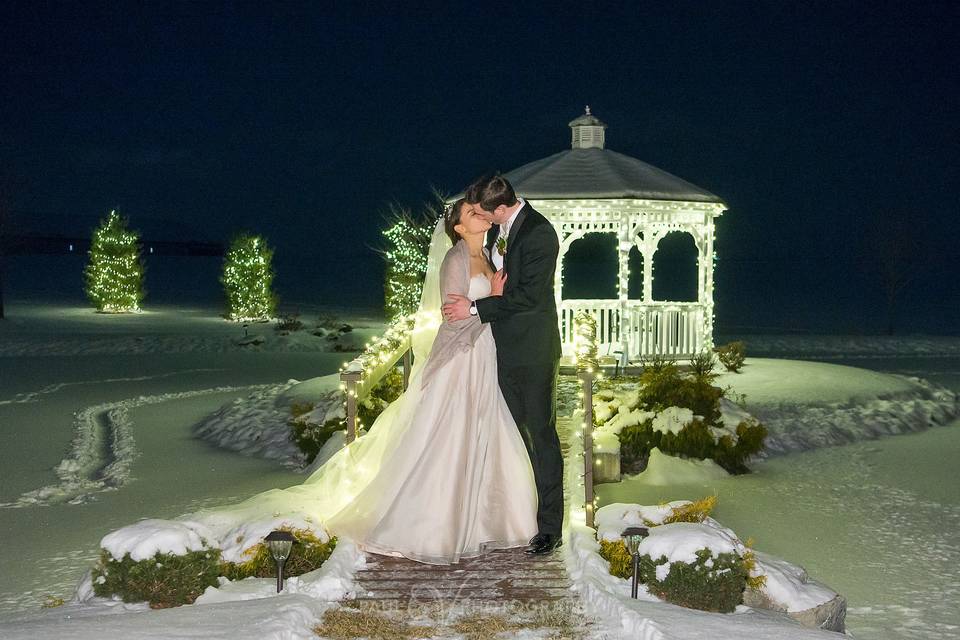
(442, 474)
(460, 482)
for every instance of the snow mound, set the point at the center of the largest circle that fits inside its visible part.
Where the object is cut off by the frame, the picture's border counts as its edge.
(612, 519)
(259, 425)
(789, 585)
(665, 470)
(331, 582)
(146, 538)
(810, 405)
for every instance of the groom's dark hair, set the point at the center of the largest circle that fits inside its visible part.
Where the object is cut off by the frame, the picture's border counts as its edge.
(490, 192)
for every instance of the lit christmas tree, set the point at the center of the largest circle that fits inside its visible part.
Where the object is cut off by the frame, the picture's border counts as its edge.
(114, 275)
(408, 240)
(247, 279)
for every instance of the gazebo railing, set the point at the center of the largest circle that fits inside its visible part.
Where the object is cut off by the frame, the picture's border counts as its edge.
(357, 378)
(672, 329)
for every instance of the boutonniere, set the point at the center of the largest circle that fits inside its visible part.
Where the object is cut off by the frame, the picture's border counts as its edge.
(502, 246)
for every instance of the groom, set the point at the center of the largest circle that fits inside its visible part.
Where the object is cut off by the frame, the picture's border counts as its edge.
(524, 244)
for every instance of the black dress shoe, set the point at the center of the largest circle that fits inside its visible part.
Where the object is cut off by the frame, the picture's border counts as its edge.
(536, 540)
(547, 543)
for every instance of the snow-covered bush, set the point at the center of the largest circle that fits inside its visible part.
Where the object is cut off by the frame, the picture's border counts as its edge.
(710, 582)
(681, 414)
(732, 355)
(164, 580)
(688, 558)
(170, 563)
(309, 553)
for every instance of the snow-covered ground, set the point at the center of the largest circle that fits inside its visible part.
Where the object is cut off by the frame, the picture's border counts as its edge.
(96, 437)
(877, 519)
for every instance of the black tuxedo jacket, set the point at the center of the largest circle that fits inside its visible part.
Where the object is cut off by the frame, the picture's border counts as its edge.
(524, 318)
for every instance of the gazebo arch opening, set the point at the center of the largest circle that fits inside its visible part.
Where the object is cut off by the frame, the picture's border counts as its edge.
(590, 268)
(675, 268)
(635, 277)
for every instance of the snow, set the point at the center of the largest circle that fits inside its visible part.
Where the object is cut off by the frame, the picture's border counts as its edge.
(679, 541)
(148, 537)
(48, 330)
(665, 470)
(287, 617)
(608, 598)
(875, 520)
(847, 346)
(789, 585)
(258, 425)
(810, 405)
(331, 582)
(146, 380)
(103, 450)
(672, 420)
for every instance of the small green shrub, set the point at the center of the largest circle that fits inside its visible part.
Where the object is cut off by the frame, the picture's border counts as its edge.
(702, 364)
(308, 553)
(695, 511)
(386, 391)
(732, 355)
(165, 580)
(717, 587)
(288, 322)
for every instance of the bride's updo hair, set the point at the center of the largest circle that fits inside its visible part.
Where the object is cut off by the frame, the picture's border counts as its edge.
(451, 218)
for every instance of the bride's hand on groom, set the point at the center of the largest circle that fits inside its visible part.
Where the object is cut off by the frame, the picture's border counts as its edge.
(497, 282)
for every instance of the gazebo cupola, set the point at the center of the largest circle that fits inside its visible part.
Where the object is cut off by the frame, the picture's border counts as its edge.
(587, 131)
(591, 189)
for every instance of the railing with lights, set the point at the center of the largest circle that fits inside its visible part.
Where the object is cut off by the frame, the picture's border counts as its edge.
(362, 374)
(585, 359)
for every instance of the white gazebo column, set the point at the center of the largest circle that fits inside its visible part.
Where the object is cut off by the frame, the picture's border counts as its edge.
(706, 296)
(624, 244)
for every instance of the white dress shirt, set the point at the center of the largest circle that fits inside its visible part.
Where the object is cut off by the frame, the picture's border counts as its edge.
(505, 233)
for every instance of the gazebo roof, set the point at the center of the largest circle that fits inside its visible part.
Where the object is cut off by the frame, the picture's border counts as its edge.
(601, 173)
(588, 171)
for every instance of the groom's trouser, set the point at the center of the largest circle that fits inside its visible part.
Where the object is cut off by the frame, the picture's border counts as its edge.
(530, 392)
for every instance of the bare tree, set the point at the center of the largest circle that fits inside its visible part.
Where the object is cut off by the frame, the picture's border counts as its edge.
(895, 250)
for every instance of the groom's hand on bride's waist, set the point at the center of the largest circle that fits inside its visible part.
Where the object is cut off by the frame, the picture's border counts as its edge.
(457, 309)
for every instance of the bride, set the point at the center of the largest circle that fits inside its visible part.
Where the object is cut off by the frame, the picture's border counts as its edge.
(443, 473)
(449, 475)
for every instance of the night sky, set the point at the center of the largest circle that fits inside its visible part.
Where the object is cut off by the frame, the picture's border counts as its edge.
(824, 126)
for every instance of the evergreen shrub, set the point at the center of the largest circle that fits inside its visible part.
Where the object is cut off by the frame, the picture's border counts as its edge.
(732, 355)
(165, 580)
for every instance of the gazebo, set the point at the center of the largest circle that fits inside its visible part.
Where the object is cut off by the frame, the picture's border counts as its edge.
(591, 189)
